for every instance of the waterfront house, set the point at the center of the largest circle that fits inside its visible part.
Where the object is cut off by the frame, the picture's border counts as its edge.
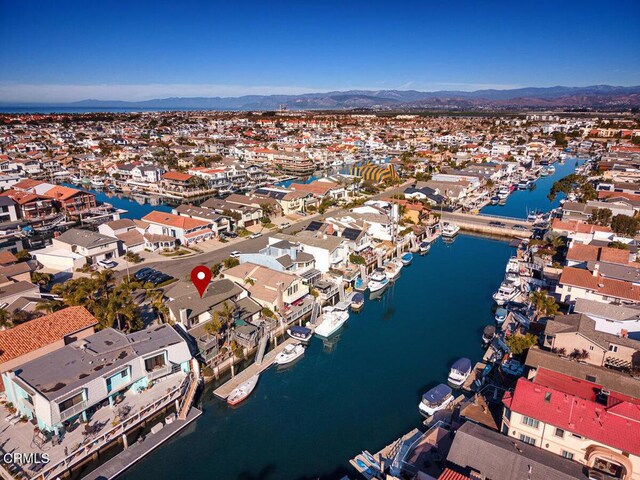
(185, 230)
(478, 452)
(71, 200)
(329, 251)
(576, 335)
(577, 283)
(270, 288)
(177, 181)
(611, 318)
(580, 255)
(31, 206)
(37, 337)
(353, 231)
(284, 256)
(69, 383)
(577, 420)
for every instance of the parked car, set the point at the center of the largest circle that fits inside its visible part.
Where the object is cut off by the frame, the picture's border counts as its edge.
(107, 264)
(161, 279)
(234, 254)
(520, 228)
(301, 213)
(230, 234)
(151, 278)
(498, 224)
(255, 235)
(143, 273)
(285, 225)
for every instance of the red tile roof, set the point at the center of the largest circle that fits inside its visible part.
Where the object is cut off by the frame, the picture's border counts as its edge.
(177, 221)
(590, 253)
(43, 331)
(617, 426)
(27, 184)
(449, 474)
(63, 193)
(178, 176)
(578, 277)
(577, 226)
(7, 258)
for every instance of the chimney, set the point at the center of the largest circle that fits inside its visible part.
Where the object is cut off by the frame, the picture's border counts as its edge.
(596, 269)
(183, 317)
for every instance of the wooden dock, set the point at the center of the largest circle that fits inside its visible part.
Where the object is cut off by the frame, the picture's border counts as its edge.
(224, 390)
(124, 460)
(476, 373)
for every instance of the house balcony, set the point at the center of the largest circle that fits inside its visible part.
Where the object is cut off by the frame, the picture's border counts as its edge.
(73, 411)
(159, 372)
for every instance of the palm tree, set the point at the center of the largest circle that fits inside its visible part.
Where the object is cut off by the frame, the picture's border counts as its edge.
(5, 319)
(159, 306)
(49, 306)
(543, 303)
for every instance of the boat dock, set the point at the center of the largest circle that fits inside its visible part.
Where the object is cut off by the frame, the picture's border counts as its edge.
(126, 459)
(490, 224)
(476, 374)
(224, 390)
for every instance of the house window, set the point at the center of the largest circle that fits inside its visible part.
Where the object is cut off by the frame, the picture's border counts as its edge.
(575, 435)
(569, 289)
(527, 439)
(568, 455)
(591, 378)
(70, 402)
(547, 397)
(559, 433)
(613, 348)
(155, 362)
(532, 422)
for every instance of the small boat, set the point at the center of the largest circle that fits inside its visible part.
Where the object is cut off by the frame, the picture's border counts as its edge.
(460, 371)
(291, 352)
(243, 390)
(392, 269)
(450, 230)
(488, 333)
(544, 172)
(407, 258)
(438, 398)
(495, 200)
(503, 193)
(506, 293)
(303, 334)
(357, 302)
(551, 169)
(501, 315)
(424, 247)
(512, 367)
(378, 280)
(523, 185)
(97, 182)
(331, 320)
(360, 285)
(513, 265)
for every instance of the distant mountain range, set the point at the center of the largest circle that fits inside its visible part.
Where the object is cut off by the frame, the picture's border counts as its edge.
(596, 96)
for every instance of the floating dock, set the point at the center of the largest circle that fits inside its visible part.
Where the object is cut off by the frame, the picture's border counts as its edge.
(476, 373)
(127, 458)
(224, 390)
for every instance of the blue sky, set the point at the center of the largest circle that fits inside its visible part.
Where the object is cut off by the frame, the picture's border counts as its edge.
(130, 50)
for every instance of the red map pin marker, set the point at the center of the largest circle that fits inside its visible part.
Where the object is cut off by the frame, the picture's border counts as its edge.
(201, 276)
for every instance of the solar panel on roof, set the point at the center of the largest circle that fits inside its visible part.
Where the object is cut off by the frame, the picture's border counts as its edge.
(351, 233)
(314, 226)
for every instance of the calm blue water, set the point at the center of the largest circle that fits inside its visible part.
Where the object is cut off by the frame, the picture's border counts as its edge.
(136, 207)
(308, 420)
(520, 202)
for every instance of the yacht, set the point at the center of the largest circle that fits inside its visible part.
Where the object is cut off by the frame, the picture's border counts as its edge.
(450, 230)
(523, 185)
(506, 293)
(495, 200)
(331, 320)
(303, 334)
(378, 280)
(424, 247)
(501, 315)
(291, 352)
(407, 258)
(503, 193)
(460, 371)
(513, 265)
(438, 398)
(243, 390)
(392, 269)
(97, 182)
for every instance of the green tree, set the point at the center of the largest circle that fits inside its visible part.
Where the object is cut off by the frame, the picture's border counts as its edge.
(214, 326)
(231, 262)
(519, 344)
(49, 306)
(624, 225)
(23, 256)
(543, 303)
(216, 268)
(601, 216)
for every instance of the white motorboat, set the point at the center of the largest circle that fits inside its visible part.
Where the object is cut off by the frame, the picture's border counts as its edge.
(303, 334)
(438, 398)
(501, 315)
(503, 193)
(449, 229)
(424, 247)
(506, 293)
(495, 200)
(291, 352)
(378, 280)
(243, 390)
(460, 371)
(513, 265)
(331, 320)
(551, 169)
(97, 182)
(392, 269)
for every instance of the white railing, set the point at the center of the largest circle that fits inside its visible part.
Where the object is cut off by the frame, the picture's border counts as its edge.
(93, 445)
(70, 412)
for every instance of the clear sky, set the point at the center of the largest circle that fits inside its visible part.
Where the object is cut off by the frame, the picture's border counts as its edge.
(134, 49)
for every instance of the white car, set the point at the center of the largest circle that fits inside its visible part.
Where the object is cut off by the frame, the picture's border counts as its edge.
(255, 235)
(107, 263)
(285, 225)
(234, 254)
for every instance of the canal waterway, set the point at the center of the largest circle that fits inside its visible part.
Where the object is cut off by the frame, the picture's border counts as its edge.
(360, 390)
(521, 202)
